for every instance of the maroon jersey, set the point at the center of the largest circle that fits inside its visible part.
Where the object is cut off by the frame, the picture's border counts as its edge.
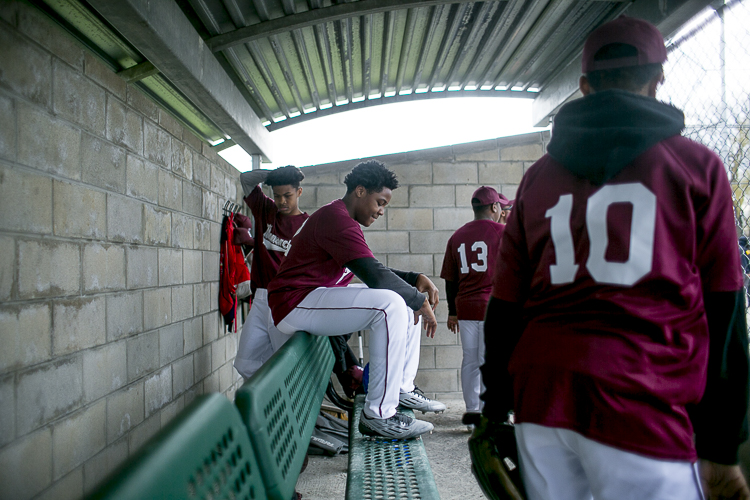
(611, 278)
(470, 261)
(272, 234)
(326, 241)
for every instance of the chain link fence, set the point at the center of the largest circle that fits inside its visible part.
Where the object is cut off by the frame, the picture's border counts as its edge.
(708, 77)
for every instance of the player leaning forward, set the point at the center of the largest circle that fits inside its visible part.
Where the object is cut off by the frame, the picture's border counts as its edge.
(310, 293)
(616, 326)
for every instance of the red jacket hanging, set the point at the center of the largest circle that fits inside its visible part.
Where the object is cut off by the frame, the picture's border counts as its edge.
(233, 271)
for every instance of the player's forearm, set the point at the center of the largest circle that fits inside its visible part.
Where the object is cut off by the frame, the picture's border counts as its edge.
(720, 419)
(451, 292)
(408, 276)
(252, 178)
(503, 326)
(375, 275)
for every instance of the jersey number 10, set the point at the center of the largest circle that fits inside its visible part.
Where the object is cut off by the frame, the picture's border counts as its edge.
(642, 225)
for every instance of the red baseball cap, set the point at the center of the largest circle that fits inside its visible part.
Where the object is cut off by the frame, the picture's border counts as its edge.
(486, 195)
(642, 35)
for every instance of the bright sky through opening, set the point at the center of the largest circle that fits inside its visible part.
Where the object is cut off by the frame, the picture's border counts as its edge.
(393, 128)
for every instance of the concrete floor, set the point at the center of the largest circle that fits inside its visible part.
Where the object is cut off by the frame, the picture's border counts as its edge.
(325, 477)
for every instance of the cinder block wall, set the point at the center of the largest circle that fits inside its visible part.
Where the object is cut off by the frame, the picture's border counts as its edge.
(432, 201)
(109, 264)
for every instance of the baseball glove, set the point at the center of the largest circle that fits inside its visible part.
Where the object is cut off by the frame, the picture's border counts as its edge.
(494, 459)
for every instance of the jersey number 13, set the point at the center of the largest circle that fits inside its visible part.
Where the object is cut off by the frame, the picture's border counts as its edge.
(642, 225)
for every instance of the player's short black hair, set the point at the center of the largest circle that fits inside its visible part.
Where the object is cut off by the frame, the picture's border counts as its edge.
(479, 209)
(631, 78)
(283, 176)
(373, 175)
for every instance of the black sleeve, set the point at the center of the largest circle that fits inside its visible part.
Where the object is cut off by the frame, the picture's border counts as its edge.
(451, 291)
(503, 326)
(408, 276)
(720, 419)
(375, 275)
(252, 178)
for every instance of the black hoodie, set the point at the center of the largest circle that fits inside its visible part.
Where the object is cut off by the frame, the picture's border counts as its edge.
(597, 136)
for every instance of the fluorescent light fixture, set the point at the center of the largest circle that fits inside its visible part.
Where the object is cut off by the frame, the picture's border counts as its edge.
(405, 92)
(310, 110)
(438, 89)
(279, 119)
(501, 87)
(470, 87)
(220, 141)
(454, 88)
(422, 90)
(533, 89)
(294, 114)
(375, 96)
(326, 105)
(358, 99)
(485, 87)
(266, 123)
(517, 88)
(342, 102)
(389, 93)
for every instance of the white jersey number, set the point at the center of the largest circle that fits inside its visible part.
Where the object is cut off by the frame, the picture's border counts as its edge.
(480, 265)
(642, 226)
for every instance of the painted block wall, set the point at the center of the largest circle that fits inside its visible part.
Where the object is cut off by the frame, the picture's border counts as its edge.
(109, 262)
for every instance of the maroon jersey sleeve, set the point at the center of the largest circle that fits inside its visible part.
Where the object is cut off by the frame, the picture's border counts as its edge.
(449, 271)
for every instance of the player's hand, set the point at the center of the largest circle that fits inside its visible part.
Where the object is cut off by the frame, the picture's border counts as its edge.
(453, 323)
(425, 285)
(428, 318)
(723, 482)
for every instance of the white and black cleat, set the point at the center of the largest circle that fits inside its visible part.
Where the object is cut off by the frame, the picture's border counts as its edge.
(417, 401)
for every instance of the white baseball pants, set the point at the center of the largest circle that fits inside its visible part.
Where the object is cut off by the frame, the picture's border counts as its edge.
(393, 342)
(561, 464)
(472, 343)
(255, 345)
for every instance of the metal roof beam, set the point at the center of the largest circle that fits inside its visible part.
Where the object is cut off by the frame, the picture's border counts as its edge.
(162, 33)
(564, 86)
(317, 16)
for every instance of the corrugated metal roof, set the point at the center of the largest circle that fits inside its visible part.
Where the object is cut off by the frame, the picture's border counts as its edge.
(294, 60)
(297, 57)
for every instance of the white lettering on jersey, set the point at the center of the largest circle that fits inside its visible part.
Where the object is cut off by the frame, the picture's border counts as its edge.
(642, 229)
(273, 242)
(289, 244)
(480, 265)
(346, 271)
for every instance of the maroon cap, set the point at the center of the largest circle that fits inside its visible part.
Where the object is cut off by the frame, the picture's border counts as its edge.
(507, 204)
(486, 195)
(642, 35)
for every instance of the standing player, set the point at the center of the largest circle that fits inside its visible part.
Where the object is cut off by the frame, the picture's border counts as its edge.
(275, 222)
(616, 326)
(506, 206)
(467, 270)
(310, 293)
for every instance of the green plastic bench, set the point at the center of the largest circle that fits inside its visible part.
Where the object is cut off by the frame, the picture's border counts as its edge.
(204, 452)
(280, 404)
(381, 468)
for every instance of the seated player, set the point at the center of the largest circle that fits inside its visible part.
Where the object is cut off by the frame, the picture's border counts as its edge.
(310, 293)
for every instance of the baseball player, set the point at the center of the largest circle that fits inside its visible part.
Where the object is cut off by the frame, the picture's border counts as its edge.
(467, 270)
(275, 222)
(616, 326)
(506, 206)
(310, 293)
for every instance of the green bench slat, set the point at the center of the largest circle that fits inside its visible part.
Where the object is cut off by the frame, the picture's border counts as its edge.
(387, 468)
(204, 452)
(280, 404)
